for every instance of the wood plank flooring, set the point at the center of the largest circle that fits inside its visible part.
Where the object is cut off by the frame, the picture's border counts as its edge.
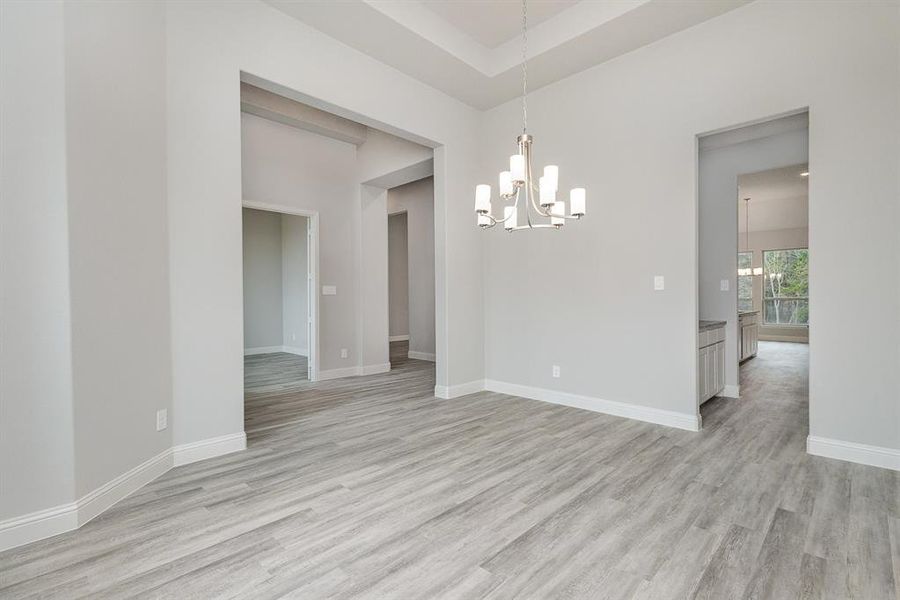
(372, 488)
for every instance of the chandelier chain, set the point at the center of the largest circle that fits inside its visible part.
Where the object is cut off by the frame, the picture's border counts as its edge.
(524, 65)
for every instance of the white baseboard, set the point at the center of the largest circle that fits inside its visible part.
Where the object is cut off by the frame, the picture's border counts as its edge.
(262, 350)
(429, 356)
(374, 369)
(102, 498)
(455, 391)
(38, 525)
(295, 350)
(338, 373)
(186, 454)
(690, 422)
(875, 456)
(272, 349)
(67, 517)
(354, 371)
(399, 338)
(731, 391)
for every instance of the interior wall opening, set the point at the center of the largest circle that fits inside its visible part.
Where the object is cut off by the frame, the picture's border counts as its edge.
(753, 277)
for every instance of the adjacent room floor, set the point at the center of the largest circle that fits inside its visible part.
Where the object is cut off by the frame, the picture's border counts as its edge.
(277, 390)
(381, 490)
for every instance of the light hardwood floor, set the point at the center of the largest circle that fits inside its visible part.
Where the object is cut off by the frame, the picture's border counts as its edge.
(378, 490)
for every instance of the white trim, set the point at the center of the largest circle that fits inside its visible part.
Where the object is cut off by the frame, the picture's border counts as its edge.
(186, 454)
(272, 349)
(399, 338)
(263, 350)
(338, 373)
(731, 391)
(104, 497)
(295, 350)
(374, 369)
(455, 391)
(429, 356)
(875, 456)
(690, 422)
(354, 371)
(67, 517)
(38, 525)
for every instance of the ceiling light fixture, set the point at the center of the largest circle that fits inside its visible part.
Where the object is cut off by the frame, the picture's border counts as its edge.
(755, 270)
(518, 182)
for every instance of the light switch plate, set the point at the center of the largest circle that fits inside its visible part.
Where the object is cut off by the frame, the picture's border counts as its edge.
(329, 290)
(162, 418)
(723, 285)
(659, 283)
(344, 353)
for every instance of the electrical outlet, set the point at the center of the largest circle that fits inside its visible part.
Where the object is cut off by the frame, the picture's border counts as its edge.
(723, 285)
(659, 283)
(344, 353)
(162, 418)
(556, 371)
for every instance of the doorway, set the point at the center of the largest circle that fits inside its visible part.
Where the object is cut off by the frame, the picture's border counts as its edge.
(280, 307)
(753, 284)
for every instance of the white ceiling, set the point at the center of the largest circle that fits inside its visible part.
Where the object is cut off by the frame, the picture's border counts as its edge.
(779, 199)
(471, 49)
(492, 23)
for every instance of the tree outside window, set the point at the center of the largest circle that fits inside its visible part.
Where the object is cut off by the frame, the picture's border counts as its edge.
(745, 282)
(786, 287)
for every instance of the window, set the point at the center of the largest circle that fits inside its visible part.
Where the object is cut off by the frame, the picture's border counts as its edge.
(786, 287)
(745, 282)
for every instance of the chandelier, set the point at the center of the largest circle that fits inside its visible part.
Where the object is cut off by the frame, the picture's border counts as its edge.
(747, 271)
(538, 202)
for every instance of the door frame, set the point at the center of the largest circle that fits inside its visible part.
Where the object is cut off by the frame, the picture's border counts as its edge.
(312, 276)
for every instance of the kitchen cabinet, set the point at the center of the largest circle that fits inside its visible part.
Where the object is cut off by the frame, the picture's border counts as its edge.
(711, 360)
(748, 327)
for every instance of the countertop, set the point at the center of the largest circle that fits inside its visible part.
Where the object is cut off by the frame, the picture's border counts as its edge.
(706, 325)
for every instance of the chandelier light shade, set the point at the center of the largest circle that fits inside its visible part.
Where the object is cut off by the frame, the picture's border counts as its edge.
(537, 206)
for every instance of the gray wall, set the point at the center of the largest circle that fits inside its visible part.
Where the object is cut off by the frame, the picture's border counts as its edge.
(118, 228)
(86, 330)
(37, 462)
(626, 130)
(416, 199)
(398, 275)
(295, 298)
(263, 324)
(719, 168)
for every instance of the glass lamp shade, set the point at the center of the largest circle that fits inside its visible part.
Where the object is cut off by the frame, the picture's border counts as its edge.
(577, 202)
(558, 210)
(506, 184)
(517, 167)
(509, 213)
(482, 198)
(551, 177)
(548, 194)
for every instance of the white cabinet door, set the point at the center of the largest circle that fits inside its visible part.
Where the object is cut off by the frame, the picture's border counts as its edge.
(702, 368)
(720, 367)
